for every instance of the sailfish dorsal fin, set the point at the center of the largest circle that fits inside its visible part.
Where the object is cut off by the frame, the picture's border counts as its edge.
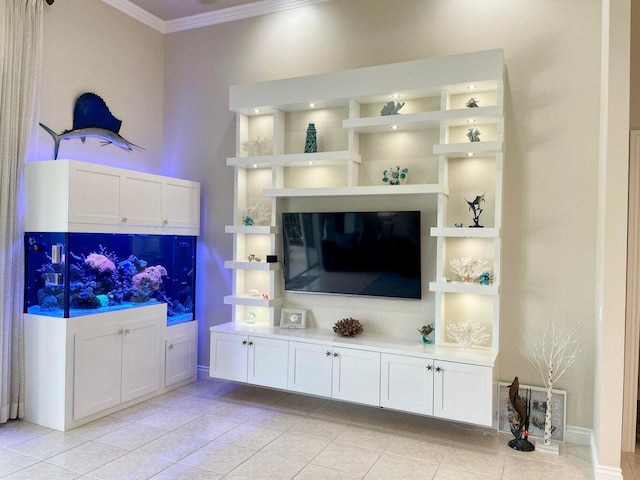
(91, 111)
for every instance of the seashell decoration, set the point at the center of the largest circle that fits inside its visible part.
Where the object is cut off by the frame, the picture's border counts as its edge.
(348, 327)
(467, 335)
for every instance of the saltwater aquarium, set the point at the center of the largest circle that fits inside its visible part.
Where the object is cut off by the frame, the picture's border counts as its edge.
(73, 274)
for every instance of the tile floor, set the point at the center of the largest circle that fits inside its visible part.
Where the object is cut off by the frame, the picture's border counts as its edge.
(218, 430)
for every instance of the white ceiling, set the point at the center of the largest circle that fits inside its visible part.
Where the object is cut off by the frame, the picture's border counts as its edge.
(168, 16)
(173, 9)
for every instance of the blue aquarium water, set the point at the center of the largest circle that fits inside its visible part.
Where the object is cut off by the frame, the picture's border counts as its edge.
(73, 274)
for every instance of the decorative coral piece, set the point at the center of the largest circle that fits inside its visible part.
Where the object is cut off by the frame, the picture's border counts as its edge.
(257, 147)
(467, 335)
(257, 214)
(469, 268)
(348, 327)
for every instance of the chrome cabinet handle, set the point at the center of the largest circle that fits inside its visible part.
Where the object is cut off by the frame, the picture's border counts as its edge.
(429, 367)
(438, 369)
(335, 354)
(328, 353)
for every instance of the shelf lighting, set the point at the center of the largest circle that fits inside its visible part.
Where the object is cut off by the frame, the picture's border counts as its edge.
(256, 110)
(312, 105)
(255, 165)
(395, 95)
(394, 127)
(471, 87)
(311, 163)
(470, 154)
(471, 120)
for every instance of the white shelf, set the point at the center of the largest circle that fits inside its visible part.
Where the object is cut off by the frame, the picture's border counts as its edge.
(295, 159)
(423, 120)
(253, 229)
(465, 232)
(250, 301)
(460, 287)
(246, 265)
(460, 150)
(378, 190)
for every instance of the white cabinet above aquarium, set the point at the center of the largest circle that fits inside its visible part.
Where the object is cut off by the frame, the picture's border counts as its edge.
(74, 196)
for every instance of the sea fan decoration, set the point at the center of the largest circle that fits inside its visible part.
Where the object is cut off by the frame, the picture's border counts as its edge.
(257, 147)
(469, 268)
(467, 335)
(348, 327)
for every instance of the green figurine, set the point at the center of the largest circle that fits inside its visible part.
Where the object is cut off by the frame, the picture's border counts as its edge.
(311, 145)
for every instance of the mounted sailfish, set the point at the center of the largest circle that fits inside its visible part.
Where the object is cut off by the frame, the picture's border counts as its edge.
(92, 118)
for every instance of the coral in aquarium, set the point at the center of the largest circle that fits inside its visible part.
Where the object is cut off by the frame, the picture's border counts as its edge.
(100, 262)
(147, 282)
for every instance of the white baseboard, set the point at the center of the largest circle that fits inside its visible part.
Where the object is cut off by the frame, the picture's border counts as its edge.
(579, 435)
(203, 371)
(601, 472)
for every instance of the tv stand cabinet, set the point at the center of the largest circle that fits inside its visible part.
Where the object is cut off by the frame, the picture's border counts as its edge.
(450, 383)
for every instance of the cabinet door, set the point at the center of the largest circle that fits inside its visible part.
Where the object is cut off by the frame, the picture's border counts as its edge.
(268, 362)
(180, 360)
(141, 199)
(140, 359)
(181, 203)
(406, 383)
(96, 370)
(356, 376)
(463, 392)
(228, 356)
(94, 195)
(310, 368)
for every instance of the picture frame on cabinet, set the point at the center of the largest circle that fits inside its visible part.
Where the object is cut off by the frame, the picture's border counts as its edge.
(538, 408)
(293, 318)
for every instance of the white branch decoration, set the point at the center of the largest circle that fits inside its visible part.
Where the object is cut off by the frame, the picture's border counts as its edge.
(467, 335)
(552, 354)
(469, 268)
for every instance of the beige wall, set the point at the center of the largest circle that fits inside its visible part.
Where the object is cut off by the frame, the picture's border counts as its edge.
(552, 137)
(551, 167)
(92, 47)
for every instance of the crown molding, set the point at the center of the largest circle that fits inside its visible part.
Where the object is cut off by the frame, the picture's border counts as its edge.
(138, 13)
(231, 14)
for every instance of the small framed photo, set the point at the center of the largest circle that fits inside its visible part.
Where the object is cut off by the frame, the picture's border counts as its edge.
(293, 318)
(538, 410)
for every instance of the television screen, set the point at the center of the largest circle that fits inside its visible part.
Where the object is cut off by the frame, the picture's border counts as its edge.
(353, 253)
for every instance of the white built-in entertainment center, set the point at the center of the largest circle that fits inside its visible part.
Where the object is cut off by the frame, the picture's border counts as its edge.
(389, 365)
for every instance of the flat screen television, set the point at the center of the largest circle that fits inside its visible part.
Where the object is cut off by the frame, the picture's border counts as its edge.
(353, 253)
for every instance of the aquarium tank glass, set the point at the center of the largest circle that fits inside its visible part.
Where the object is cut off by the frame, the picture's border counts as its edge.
(73, 274)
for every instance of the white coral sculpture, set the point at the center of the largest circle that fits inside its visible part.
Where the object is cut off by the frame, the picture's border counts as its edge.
(467, 335)
(469, 268)
(258, 214)
(257, 147)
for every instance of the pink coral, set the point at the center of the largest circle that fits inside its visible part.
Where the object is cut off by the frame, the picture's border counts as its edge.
(150, 277)
(100, 262)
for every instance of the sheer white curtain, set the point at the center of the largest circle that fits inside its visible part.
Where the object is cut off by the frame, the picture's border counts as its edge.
(20, 60)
